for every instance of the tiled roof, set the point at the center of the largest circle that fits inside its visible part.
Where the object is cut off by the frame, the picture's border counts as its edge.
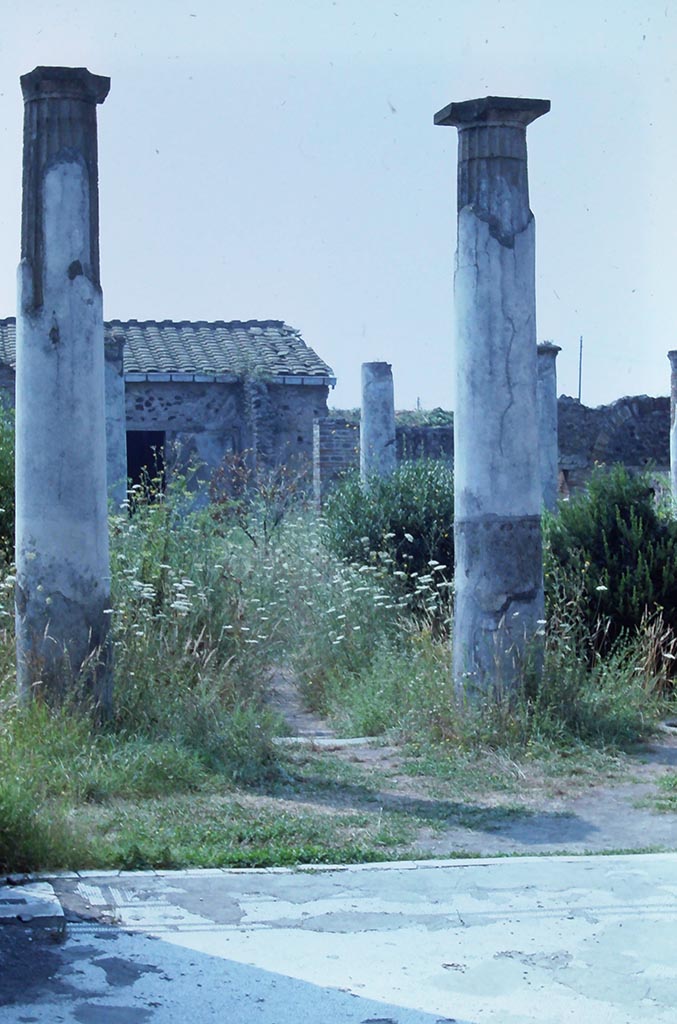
(263, 347)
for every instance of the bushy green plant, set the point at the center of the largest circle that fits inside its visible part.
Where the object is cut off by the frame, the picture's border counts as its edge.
(611, 555)
(408, 515)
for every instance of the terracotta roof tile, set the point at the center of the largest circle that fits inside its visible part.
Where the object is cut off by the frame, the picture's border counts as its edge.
(268, 347)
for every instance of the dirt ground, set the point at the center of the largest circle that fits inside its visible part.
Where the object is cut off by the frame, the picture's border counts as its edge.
(610, 811)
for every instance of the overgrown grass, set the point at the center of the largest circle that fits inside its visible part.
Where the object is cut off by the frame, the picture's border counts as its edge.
(187, 771)
(667, 800)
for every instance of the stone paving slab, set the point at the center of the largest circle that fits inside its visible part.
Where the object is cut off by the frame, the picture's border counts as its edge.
(33, 905)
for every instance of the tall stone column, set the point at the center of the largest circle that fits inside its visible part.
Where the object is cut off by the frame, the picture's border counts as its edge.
(116, 421)
(547, 423)
(497, 530)
(63, 575)
(672, 356)
(378, 448)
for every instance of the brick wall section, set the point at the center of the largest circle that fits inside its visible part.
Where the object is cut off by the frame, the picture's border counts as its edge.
(336, 450)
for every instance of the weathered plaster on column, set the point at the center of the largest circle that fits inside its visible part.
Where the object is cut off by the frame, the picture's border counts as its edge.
(672, 356)
(378, 449)
(499, 574)
(547, 423)
(116, 422)
(63, 576)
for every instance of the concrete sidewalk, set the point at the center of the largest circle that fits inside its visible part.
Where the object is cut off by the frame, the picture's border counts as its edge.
(515, 941)
(32, 905)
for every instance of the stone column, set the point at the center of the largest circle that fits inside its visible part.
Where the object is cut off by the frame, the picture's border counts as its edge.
(497, 531)
(116, 421)
(672, 356)
(378, 449)
(547, 423)
(62, 562)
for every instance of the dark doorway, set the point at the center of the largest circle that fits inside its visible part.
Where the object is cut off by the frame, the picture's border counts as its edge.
(146, 458)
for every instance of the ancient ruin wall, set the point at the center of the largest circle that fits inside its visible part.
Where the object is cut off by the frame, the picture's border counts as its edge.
(634, 431)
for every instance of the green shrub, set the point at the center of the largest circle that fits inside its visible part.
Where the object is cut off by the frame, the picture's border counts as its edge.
(408, 515)
(611, 556)
(33, 835)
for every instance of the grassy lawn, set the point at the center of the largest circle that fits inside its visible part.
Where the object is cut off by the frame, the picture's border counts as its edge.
(320, 809)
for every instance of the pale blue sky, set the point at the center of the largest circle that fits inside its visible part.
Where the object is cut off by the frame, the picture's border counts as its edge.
(278, 160)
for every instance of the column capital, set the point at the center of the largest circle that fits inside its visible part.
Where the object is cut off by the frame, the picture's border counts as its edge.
(64, 84)
(59, 128)
(378, 369)
(548, 348)
(511, 111)
(492, 159)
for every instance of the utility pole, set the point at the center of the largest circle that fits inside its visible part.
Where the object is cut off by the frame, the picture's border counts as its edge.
(580, 366)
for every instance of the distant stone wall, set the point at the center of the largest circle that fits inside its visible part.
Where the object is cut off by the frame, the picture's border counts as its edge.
(336, 448)
(7, 385)
(633, 431)
(425, 443)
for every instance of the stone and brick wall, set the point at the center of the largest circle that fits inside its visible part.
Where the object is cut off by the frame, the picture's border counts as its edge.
(207, 421)
(634, 431)
(336, 450)
(210, 419)
(292, 413)
(426, 442)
